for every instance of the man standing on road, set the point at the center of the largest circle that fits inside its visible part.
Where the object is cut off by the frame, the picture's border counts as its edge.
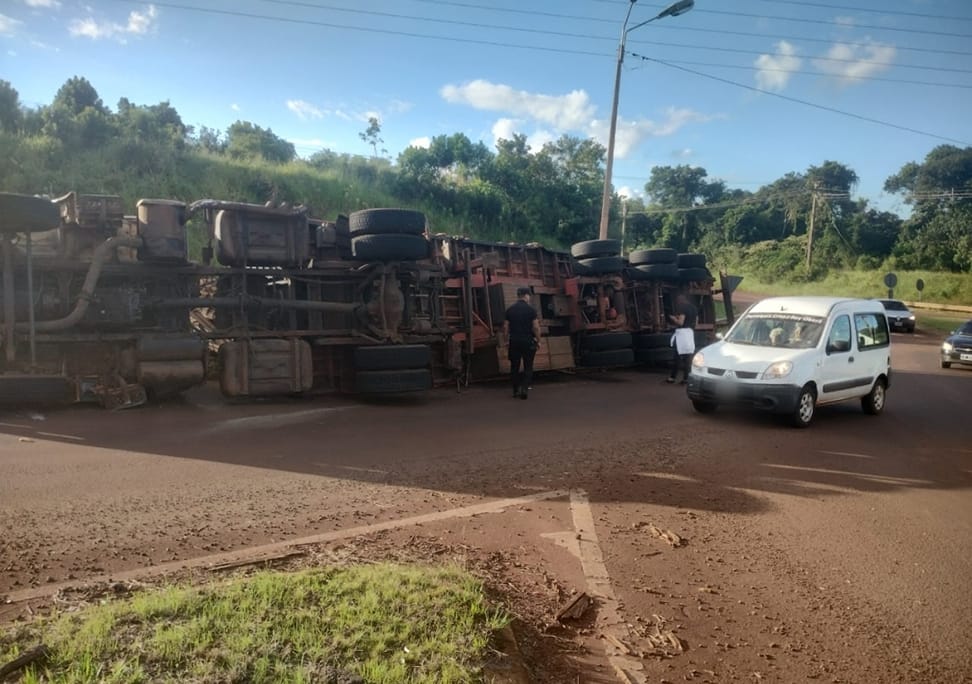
(522, 331)
(683, 341)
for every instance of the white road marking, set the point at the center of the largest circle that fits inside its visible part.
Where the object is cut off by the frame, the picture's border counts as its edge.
(845, 453)
(599, 586)
(883, 479)
(272, 420)
(257, 553)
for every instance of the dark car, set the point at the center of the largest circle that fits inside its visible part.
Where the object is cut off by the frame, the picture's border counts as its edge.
(898, 315)
(957, 348)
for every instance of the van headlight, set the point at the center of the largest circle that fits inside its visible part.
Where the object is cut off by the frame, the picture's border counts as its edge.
(947, 346)
(780, 369)
(698, 361)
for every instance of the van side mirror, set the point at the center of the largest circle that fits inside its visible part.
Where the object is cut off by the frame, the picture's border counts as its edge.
(838, 346)
(720, 335)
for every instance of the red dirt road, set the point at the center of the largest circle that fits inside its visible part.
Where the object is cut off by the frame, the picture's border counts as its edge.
(837, 553)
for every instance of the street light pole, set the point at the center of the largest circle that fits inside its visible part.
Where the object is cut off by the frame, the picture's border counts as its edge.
(680, 7)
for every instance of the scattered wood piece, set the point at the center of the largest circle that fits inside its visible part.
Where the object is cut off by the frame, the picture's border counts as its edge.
(256, 561)
(617, 643)
(23, 660)
(667, 535)
(576, 608)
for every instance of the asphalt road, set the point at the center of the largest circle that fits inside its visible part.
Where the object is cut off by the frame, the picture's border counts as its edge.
(836, 553)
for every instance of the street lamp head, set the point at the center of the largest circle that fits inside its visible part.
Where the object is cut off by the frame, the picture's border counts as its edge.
(680, 7)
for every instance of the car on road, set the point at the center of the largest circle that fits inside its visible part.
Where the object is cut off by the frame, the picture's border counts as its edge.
(957, 347)
(899, 315)
(788, 355)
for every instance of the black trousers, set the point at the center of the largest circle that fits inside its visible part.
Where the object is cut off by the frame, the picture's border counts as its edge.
(680, 361)
(521, 351)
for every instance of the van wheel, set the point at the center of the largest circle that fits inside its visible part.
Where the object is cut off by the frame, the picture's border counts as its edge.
(805, 405)
(946, 364)
(873, 402)
(704, 406)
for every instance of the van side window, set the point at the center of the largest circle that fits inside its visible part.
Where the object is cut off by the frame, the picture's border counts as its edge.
(840, 335)
(872, 331)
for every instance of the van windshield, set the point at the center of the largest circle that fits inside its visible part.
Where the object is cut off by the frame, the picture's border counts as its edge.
(787, 331)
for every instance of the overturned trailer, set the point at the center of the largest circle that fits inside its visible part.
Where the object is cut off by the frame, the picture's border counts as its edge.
(100, 306)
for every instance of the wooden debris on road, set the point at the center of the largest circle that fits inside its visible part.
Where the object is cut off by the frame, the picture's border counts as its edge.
(576, 608)
(667, 535)
(23, 660)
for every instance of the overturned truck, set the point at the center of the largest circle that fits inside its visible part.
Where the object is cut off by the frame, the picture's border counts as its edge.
(102, 306)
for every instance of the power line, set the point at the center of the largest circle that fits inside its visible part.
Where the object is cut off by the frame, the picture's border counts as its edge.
(679, 27)
(563, 34)
(827, 22)
(559, 34)
(833, 110)
(822, 59)
(773, 36)
(867, 9)
(754, 200)
(803, 72)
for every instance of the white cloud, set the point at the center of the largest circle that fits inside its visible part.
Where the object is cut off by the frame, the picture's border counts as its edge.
(630, 134)
(560, 114)
(370, 114)
(304, 110)
(400, 106)
(773, 70)
(341, 114)
(504, 129)
(424, 142)
(845, 22)
(684, 153)
(139, 23)
(235, 107)
(851, 62)
(629, 192)
(8, 25)
(566, 112)
(43, 3)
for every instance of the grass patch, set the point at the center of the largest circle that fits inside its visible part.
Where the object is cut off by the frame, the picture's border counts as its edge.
(940, 288)
(939, 322)
(384, 623)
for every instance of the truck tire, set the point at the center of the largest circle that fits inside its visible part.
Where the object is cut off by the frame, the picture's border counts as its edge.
(390, 247)
(608, 358)
(386, 222)
(591, 249)
(392, 357)
(659, 271)
(27, 214)
(604, 264)
(659, 356)
(691, 260)
(654, 341)
(580, 269)
(693, 274)
(393, 381)
(18, 390)
(606, 341)
(658, 255)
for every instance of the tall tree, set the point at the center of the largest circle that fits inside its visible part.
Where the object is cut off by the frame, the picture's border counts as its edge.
(11, 115)
(372, 135)
(247, 140)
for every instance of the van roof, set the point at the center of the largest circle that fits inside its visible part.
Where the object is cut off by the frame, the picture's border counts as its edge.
(812, 306)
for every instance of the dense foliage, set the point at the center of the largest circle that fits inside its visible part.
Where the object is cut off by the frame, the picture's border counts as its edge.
(551, 195)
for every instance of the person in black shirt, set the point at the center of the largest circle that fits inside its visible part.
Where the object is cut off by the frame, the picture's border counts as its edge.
(683, 341)
(522, 331)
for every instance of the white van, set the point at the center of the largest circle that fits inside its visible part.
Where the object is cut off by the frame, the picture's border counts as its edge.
(790, 354)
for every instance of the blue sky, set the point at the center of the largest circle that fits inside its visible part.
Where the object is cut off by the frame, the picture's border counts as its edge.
(315, 70)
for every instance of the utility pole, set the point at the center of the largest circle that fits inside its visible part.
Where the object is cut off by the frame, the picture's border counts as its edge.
(813, 212)
(624, 220)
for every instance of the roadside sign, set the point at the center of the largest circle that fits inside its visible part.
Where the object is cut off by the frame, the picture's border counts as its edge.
(890, 279)
(920, 285)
